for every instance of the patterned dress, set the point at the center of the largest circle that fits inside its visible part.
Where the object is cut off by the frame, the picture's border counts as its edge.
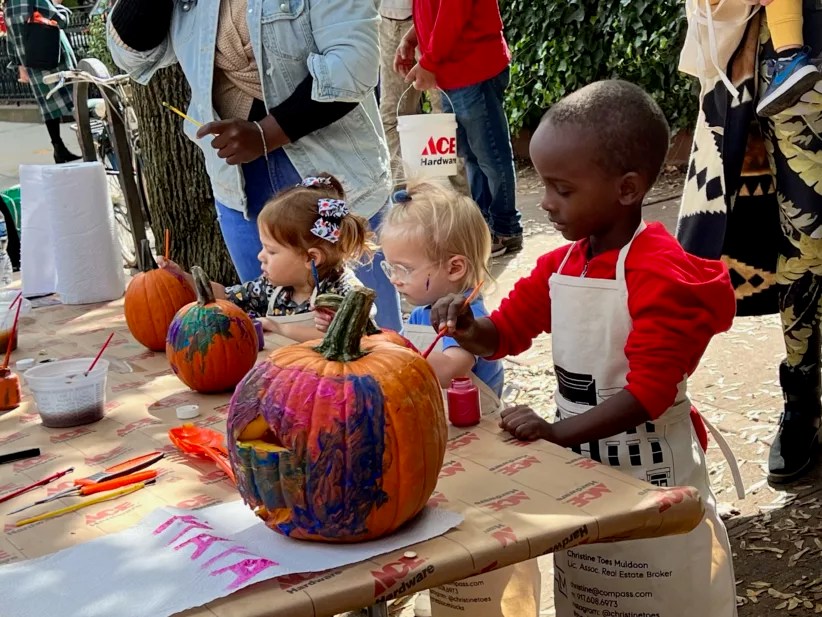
(754, 193)
(262, 299)
(60, 104)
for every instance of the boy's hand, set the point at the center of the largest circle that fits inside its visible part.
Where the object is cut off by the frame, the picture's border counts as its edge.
(525, 424)
(422, 79)
(322, 318)
(450, 312)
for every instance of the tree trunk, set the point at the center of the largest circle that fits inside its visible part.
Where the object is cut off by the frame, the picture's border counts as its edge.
(178, 190)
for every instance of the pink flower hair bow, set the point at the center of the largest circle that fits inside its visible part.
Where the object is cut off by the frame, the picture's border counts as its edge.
(313, 181)
(327, 227)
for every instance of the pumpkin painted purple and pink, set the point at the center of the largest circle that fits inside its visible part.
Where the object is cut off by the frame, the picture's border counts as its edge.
(341, 441)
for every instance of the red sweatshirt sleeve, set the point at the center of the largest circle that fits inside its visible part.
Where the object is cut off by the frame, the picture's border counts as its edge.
(673, 323)
(448, 25)
(526, 312)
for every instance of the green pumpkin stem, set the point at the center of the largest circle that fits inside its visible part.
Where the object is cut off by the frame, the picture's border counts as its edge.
(342, 341)
(202, 287)
(145, 258)
(333, 301)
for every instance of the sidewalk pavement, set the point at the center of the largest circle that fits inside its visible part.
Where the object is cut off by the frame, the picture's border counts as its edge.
(24, 143)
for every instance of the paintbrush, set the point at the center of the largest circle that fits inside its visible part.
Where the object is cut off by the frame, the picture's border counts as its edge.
(183, 115)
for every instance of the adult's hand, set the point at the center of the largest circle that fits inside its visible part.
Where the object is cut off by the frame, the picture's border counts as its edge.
(421, 78)
(405, 56)
(239, 141)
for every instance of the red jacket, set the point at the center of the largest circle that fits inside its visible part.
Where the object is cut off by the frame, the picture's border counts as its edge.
(677, 303)
(460, 41)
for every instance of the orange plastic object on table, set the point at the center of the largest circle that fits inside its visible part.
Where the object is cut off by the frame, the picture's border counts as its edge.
(205, 442)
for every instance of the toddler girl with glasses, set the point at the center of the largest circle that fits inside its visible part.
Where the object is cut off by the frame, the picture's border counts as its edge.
(436, 242)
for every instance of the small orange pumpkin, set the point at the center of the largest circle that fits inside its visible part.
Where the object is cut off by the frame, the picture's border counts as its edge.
(211, 344)
(152, 299)
(341, 442)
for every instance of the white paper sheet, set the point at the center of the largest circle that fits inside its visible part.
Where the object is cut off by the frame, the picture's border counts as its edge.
(175, 559)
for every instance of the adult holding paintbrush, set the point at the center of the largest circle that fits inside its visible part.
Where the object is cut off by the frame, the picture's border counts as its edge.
(283, 90)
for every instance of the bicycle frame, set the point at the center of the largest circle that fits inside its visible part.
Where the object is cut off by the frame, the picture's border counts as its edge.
(118, 114)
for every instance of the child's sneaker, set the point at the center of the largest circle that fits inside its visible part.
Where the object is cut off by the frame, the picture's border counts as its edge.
(791, 77)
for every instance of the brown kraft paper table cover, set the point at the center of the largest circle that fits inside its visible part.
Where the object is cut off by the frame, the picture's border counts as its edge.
(519, 500)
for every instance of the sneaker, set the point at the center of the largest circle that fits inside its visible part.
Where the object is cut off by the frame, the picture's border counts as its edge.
(506, 244)
(791, 77)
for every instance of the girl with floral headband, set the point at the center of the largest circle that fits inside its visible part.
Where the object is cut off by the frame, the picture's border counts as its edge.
(309, 238)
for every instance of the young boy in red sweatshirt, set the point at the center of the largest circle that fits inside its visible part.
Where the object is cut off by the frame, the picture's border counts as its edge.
(630, 314)
(462, 50)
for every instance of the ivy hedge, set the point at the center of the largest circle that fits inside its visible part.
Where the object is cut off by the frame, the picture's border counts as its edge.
(559, 47)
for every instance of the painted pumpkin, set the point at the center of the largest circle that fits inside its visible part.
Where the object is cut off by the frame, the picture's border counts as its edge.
(211, 344)
(152, 299)
(372, 330)
(340, 442)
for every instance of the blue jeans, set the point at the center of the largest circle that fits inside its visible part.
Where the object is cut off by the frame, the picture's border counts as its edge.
(243, 240)
(483, 140)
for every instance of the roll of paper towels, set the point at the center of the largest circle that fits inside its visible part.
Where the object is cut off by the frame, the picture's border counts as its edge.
(69, 242)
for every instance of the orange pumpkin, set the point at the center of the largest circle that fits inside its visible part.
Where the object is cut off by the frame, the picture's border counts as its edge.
(152, 299)
(340, 442)
(372, 330)
(211, 344)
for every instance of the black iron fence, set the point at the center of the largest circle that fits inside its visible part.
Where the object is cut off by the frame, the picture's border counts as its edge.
(11, 90)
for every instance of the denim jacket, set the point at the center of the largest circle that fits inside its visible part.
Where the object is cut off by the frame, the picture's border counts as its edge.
(337, 42)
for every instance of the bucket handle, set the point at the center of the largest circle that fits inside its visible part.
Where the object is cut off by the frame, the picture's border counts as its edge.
(402, 96)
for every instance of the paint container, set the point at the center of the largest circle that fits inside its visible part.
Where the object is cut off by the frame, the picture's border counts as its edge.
(65, 396)
(463, 402)
(258, 328)
(7, 318)
(9, 390)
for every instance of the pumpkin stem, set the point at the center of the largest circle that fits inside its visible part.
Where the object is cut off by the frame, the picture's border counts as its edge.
(145, 258)
(202, 287)
(333, 301)
(342, 341)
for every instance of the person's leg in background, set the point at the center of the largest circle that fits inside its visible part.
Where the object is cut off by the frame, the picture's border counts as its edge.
(480, 114)
(392, 87)
(792, 72)
(53, 110)
(240, 234)
(459, 182)
(794, 447)
(371, 275)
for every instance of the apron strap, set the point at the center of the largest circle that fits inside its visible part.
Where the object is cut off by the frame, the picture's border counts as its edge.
(623, 253)
(729, 456)
(273, 299)
(277, 290)
(565, 259)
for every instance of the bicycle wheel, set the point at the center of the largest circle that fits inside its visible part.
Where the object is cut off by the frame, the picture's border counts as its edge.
(97, 143)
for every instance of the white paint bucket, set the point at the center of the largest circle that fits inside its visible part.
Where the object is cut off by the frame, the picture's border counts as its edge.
(428, 143)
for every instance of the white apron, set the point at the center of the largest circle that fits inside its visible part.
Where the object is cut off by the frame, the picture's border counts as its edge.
(301, 319)
(677, 576)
